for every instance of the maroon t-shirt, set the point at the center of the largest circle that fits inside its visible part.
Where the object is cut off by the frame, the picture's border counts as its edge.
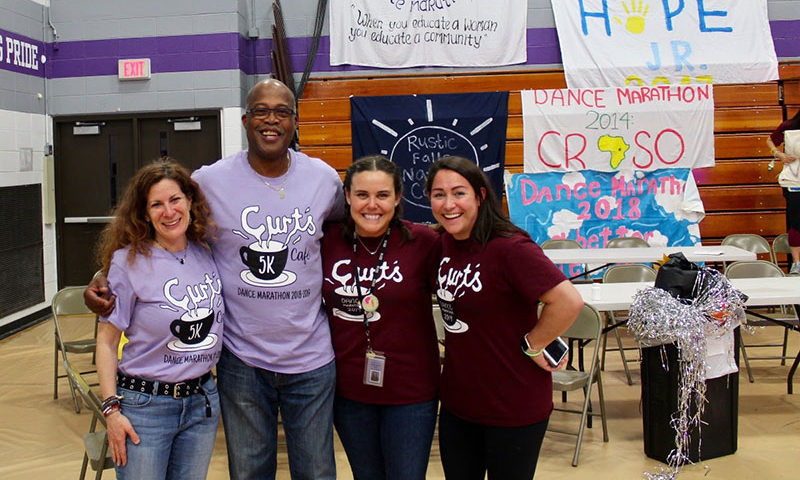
(495, 292)
(403, 328)
(777, 135)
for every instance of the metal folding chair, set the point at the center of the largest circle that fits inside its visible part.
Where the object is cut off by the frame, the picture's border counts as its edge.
(68, 306)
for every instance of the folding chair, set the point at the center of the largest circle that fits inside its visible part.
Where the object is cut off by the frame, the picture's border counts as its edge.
(587, 327)
(96, 452)
(68, 306)
(635, 272)
(781, 245)
(562, 243)
(762, 269)
(750, 242)
(627, 242)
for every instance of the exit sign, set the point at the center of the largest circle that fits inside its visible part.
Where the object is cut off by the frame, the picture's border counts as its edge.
(134, 69)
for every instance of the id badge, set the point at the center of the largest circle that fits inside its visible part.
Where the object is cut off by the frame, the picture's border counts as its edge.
(373, 368)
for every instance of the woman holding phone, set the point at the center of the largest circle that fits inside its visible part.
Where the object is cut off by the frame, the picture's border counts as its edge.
(496, 387)
(160, 400)
(378, 281)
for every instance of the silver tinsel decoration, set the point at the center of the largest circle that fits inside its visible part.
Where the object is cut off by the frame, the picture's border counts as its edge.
(657, 318)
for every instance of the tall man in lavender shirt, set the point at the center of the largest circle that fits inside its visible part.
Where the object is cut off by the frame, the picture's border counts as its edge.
(269, 203)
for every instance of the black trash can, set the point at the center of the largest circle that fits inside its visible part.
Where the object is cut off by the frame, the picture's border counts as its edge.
(719, 432)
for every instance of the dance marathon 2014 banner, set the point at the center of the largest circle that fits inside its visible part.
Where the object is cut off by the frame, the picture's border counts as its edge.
(412, 33)
(650, 42)
(621, 128)
(415, 130)
(662, 207)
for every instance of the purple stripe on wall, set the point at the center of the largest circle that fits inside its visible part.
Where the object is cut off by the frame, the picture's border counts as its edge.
(786, 36)
(180, 53)
(22, 54)
(222, 51)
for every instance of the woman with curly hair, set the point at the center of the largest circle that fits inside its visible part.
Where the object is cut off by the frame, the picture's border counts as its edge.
(160, 400)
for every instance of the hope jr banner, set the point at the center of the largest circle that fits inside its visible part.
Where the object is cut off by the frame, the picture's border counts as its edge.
(415, 130)
(662, 207)
(619, 128)
(412, 33)
(607, 43)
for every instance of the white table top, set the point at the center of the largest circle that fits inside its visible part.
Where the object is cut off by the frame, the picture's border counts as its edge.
(761, 291)
(717, 253)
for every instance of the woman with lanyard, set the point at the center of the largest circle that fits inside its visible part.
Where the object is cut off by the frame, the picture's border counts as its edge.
(496, 390)
(378, 283)
(161, 402)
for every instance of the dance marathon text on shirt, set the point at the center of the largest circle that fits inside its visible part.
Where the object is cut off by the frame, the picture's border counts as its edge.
(270, 253)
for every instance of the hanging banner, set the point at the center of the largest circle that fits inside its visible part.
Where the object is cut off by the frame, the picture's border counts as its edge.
(642, 42)
(620, 128)
(415, 130)
(663, 207)
(415, 33)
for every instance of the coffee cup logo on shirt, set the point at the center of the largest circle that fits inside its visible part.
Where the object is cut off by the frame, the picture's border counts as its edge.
(454, 283)
(347, 305)
(197, 314)
(270, 239)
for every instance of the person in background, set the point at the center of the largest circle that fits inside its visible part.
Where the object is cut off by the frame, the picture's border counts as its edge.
(387, 356)
(496, 386)
(160, 401)
(270, 203)
(791, 194)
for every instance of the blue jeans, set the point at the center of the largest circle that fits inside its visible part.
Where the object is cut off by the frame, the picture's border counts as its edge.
(176, 438)
(251, 398)
(386, 442)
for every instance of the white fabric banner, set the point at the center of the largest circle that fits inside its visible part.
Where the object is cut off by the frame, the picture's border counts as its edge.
(412, 33)
(622, 128)
(650, 42)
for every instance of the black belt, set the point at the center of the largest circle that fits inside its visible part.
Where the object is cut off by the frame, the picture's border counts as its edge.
(174, 390)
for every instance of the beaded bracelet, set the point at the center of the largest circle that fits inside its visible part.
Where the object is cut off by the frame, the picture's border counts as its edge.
(110, 403)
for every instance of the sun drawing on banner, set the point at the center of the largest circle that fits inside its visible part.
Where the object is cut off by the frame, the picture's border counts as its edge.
(424, 144)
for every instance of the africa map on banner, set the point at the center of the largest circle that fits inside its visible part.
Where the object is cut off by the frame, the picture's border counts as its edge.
(415, 130)
(651, 42)
(618, 128)
(412, 33)
(662, 206)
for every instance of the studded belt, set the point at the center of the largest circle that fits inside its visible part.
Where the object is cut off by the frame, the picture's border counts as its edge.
(174, 390)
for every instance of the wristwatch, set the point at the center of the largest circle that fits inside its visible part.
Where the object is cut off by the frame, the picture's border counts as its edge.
(526, 347)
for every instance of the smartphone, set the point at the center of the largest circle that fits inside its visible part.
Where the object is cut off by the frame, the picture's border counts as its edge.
(556, 351)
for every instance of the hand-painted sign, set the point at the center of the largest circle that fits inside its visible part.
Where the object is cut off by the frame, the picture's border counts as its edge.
(410, 33)
(619, 128)
(653, 42)
(663, 207)
(413, 131)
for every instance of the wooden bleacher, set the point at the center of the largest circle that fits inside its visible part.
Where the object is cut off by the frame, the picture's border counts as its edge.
(740, 194)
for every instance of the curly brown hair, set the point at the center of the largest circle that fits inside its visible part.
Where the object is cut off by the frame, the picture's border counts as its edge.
(130, 225)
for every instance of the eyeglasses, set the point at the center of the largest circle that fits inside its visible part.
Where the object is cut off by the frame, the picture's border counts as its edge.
(281, 113)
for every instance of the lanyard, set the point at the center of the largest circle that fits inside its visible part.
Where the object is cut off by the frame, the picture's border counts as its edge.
(384, 242)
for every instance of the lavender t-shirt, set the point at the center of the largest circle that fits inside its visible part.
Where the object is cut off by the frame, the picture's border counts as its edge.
(171, 312)
(267, 250)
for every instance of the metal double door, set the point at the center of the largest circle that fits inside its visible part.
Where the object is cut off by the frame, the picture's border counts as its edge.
(95, 158)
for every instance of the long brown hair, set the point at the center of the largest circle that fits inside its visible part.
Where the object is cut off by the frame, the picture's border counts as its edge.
(491, 221)
(130, 225)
